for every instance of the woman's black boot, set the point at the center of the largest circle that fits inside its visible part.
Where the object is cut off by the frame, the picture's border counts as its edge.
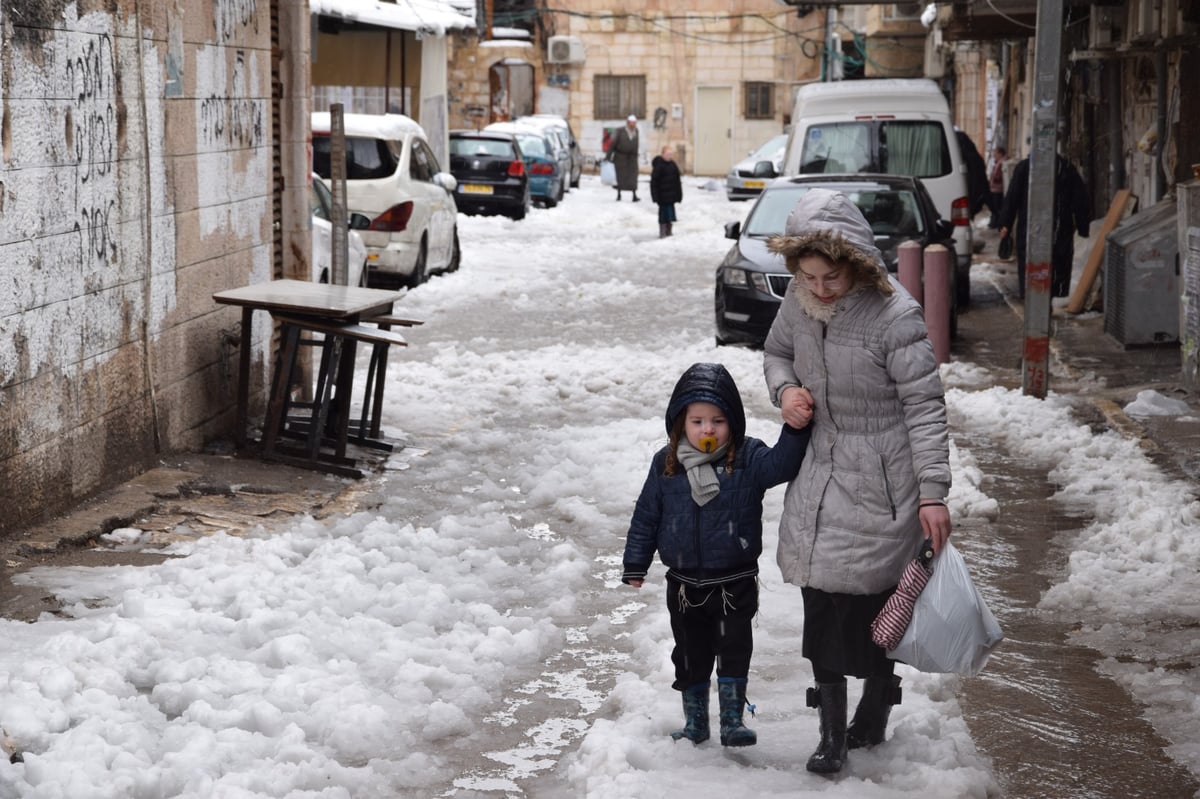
(869, 726)
(830, 700)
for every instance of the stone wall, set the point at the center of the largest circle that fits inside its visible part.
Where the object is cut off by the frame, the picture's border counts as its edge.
(135, 180)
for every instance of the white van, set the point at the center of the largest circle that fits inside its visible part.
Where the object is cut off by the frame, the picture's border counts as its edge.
(889, 126)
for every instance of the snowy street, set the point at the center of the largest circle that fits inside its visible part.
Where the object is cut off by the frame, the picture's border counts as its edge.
(467, 636)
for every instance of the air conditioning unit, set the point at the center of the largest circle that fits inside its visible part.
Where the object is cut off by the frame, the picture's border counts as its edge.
(564, 50)
(1141, 278)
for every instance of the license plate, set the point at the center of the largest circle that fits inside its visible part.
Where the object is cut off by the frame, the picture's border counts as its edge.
(475, 188)
(754, 184)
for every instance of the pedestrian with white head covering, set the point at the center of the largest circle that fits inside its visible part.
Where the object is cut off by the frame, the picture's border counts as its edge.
(623, 152)
(850, 347)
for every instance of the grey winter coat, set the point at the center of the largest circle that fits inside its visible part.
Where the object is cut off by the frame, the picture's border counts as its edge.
(879, 441)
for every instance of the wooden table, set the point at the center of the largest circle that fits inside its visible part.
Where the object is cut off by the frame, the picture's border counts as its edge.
(338, 313)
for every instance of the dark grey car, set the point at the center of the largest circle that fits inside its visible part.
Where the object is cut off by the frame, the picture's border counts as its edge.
(751, 282)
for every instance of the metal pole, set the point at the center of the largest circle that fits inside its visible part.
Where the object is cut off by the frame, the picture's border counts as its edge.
(1039, 230)
(937, 300)
(337, 176)
(908, 269)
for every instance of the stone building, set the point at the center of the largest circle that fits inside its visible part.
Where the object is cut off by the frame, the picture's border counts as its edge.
(714, 79)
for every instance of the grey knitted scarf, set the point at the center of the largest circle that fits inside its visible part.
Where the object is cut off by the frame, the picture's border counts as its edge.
(700, 472)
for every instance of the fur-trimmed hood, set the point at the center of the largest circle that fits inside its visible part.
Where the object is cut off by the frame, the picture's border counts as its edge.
(829, 223)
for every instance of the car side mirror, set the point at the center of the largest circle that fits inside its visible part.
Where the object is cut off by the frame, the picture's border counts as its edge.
(765, 169)
(944, 229)
(733, 230)
(359, 222)
(446, 181)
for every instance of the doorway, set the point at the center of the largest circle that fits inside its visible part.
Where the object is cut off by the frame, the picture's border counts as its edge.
(714, 130)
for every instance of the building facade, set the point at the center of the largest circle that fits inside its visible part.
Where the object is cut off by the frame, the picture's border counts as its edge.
(714, 80)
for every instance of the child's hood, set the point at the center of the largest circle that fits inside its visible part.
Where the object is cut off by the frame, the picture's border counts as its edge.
(709, 382)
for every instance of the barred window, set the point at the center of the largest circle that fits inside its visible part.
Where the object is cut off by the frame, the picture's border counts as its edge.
(760, 100)
(618, 96)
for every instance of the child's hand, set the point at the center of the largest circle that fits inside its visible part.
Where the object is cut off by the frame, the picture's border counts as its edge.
(796, 406)
(635, 583)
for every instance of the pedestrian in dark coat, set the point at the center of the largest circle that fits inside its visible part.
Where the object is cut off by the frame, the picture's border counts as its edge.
(977, 177)
(666, 189)
(996, 186)
(623, 152)
(1072, 214)
(701, 510)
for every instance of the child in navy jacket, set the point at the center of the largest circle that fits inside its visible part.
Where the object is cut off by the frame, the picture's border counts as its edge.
(701, 510)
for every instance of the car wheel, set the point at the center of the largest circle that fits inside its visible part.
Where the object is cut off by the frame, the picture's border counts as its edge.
(519, 214)
(455, 254)
(562, 190)
(419, 275)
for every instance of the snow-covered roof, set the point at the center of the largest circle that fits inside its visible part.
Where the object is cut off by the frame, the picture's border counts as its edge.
(431, 16)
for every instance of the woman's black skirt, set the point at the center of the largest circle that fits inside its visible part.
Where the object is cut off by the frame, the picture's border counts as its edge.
(837, 633)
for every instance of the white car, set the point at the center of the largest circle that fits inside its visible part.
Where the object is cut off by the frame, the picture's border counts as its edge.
(394, 181)
(320, 202)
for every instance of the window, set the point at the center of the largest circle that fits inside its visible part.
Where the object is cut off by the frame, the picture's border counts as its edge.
(422, 163)
(366, 158)
(760, 100)
(618, 96)
(898, 147)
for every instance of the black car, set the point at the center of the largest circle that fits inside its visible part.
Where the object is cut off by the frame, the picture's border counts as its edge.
(751, 281)
(490, 169)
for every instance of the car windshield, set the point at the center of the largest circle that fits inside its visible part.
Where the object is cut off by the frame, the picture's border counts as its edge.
(772, 150)
(890, 212)
(914, 148)
(498, 148)
(366, 158)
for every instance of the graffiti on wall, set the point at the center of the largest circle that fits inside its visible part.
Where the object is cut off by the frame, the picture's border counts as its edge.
(230, 16)
(92, 119)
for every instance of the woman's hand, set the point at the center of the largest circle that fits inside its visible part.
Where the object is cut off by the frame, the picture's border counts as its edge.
(635, 583)
(935, 521)
(796, 406)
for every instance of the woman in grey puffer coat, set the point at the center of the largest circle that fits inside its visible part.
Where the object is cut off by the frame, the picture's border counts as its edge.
(851, 346)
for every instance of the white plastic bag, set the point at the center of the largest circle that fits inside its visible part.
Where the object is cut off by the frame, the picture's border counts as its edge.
(608, 173)
(952, 630)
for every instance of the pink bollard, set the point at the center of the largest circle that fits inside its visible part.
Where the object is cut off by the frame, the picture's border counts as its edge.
(908, 269)
(938, 300)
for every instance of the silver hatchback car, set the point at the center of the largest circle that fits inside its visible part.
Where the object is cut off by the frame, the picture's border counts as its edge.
(749, 177)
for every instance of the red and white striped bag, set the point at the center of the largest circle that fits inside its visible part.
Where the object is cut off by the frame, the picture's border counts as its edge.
(889, 626)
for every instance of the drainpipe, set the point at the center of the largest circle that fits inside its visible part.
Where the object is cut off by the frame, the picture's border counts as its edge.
(827, 61)
(1160, 109)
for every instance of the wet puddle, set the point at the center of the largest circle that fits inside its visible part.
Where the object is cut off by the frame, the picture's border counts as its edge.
(1052, 724)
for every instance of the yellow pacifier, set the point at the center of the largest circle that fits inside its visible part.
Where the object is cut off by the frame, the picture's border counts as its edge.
(708, 444)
